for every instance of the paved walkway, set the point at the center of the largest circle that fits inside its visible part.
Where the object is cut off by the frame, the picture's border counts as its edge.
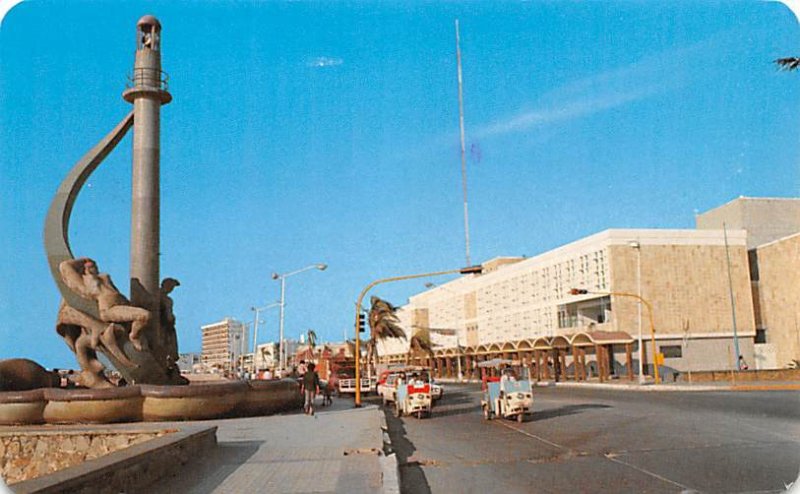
(337, 450)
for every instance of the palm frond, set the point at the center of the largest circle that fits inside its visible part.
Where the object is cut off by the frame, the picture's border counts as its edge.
(312, 338)
(383, 322)
(419, 343)
(788, 63)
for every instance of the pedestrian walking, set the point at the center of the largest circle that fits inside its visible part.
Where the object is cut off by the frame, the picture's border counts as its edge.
(742, 363)
(309, 386)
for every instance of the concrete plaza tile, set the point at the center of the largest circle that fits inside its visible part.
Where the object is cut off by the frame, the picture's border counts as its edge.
(335, 451)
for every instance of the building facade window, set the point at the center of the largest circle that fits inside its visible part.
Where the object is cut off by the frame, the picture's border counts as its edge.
(672, 351)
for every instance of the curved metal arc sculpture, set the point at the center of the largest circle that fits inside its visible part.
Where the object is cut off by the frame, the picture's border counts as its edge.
(56, 229)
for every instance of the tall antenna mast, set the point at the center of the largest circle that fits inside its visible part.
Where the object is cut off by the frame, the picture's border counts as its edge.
(463, 153)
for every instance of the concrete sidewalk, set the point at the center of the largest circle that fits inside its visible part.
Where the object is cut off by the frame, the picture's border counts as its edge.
(337, 450)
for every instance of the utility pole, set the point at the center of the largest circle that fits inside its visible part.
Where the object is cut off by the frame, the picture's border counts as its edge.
(733, 302)
(463, 152)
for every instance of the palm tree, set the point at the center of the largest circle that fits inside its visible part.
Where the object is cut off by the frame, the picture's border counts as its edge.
(311, 337)
(420, 342)
(383, 323)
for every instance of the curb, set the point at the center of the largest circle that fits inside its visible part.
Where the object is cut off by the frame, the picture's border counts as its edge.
(656, 388)
(389, 465)
(638, 387)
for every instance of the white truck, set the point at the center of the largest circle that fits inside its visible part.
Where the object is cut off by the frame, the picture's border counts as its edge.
(348, 385)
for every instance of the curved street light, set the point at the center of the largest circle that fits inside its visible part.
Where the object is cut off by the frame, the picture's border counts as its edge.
(582, 291)
(282, 277)
(478, 269)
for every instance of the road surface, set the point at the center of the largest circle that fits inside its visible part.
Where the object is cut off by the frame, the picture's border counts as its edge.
(597, 440)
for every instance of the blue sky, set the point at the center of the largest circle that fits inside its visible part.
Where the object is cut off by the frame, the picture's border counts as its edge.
(304, 132)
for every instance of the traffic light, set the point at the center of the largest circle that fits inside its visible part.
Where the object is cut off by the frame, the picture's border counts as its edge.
(471, 270)
(361, 323)
(578, 291)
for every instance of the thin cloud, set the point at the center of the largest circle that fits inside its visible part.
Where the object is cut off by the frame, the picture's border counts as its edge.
(647, 77)
(324, 62)
(565, 112)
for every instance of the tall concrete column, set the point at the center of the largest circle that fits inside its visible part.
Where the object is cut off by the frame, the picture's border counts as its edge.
(147, 91)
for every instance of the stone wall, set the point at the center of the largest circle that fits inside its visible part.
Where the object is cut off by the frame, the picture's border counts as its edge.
(688, 288)
(24, 456)
(780, 375)
(779, 280)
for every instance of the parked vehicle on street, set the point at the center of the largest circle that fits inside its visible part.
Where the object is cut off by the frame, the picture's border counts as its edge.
(386, 385)
(412, 394)
(509, 394)
(348, 386)
(437, 391)
(346, 382)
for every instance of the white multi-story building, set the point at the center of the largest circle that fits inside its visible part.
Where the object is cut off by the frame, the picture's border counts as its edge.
(725, 285)
(223, 343)
(267, 356)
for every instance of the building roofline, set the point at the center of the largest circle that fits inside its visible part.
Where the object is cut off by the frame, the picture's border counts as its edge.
(651, 236)
(776, 241)
(747, 198)
(227, 320)
(604, 238)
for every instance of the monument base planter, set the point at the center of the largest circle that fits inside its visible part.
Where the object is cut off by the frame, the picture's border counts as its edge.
(22, 407)
(95, 406)
(268, 397)
(192, 402)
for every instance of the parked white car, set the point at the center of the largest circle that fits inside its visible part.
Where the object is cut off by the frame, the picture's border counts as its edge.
(387, 384)
(437, 391)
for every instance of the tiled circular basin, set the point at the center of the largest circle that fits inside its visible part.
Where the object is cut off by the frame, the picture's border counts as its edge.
(266, 397)
(101, 406)
(192, 402)
(22, 407)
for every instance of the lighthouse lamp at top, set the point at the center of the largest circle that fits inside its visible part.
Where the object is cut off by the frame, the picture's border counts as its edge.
(147, 78)
(148, 33)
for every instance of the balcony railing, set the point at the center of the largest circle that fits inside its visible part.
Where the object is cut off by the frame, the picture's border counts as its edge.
(147, 77)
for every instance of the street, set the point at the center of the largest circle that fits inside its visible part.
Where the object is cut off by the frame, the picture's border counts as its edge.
(593, 440)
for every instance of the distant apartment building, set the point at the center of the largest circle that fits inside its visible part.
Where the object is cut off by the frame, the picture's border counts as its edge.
(266, 356)
(187, 361)
(705, 286)
(223, 343)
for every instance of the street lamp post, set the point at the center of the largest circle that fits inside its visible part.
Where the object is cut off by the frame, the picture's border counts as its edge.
(635, 245)
(282, 277)
(256, 322)
(581, 291)
(467, 270)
